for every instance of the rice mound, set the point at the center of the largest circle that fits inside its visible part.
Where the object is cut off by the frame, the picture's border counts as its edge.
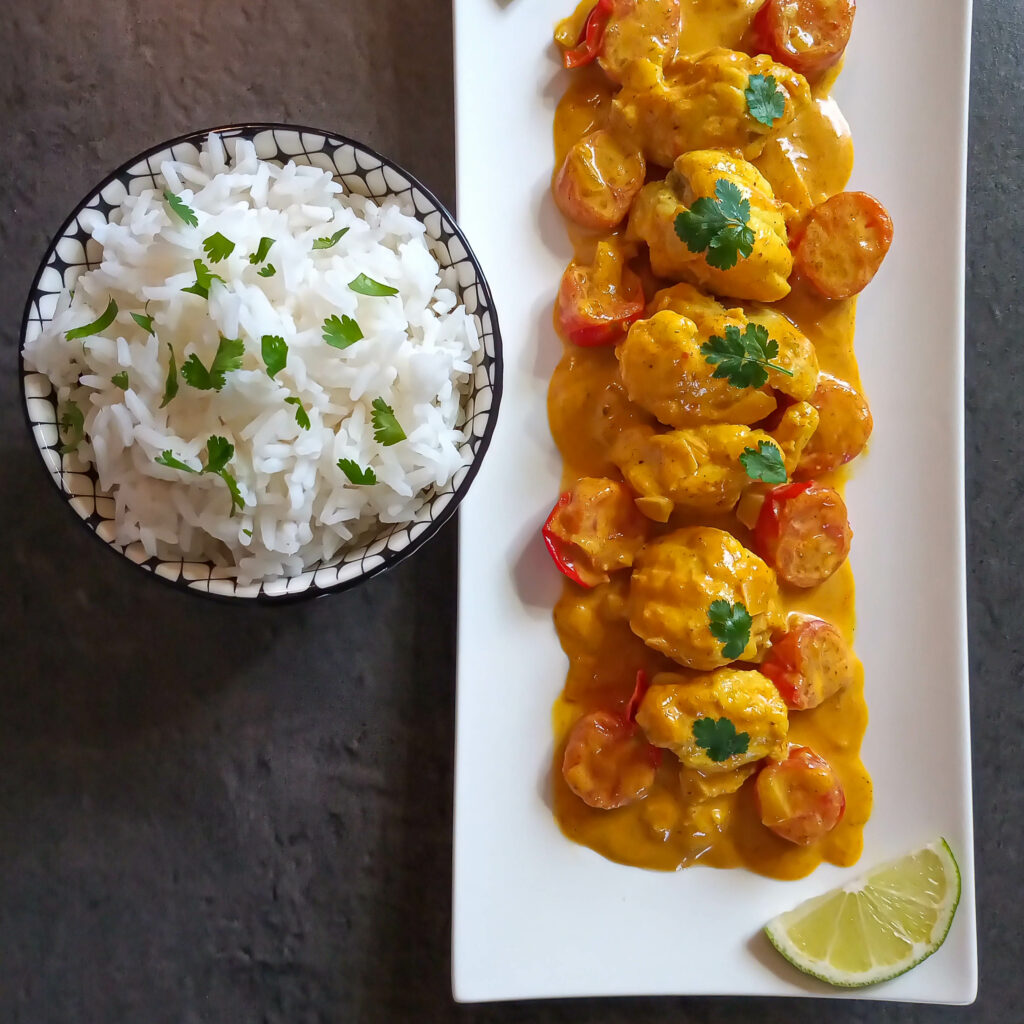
(417, 355)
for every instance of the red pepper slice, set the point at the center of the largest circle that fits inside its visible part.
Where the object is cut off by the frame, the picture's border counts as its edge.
(642, 686)
(591, 38)
(561, 551)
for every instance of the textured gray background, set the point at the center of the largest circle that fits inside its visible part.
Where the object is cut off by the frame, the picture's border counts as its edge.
(212, 814)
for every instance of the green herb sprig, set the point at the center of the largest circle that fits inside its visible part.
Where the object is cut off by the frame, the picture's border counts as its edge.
(183, 211)
(332, 240)
(204, 279)
(766, 102)
(730, 624)
(217, 247)
(72, 426)
(367, 286)
(219, 452)
(764, 463)
(301, 416)
(355, 474)
(98, 326)
(228, 358)
(719, 227)
(340, 333)
(386, 428)
(743, 358)
(720, 739)
(275, 353)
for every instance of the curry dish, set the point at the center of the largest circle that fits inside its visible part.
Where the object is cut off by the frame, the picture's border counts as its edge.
(706, 406)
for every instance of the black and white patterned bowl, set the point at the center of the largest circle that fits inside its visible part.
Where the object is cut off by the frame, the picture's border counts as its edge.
(361, 171)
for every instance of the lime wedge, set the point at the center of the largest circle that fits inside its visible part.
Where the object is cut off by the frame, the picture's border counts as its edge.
(877, 927)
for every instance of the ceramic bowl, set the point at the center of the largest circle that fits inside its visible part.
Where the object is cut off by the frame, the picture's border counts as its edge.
(361, 171)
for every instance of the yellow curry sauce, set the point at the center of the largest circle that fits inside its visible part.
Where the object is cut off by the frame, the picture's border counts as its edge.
(682, 821)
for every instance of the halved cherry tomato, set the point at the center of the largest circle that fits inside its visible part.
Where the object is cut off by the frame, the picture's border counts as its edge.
(844, 427)
(809, 663)
(803, 531)
(801, 799)
(588, 46)
(598, 181)
(597, 303)
(607, 762)
(807, 35)
(842, 244)
(595, 529)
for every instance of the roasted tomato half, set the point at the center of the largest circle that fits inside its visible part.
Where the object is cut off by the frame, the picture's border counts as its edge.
(608, 763)
(595, 529)
(842, 244)
(807, 35)
(598, 180)
(801, 798)
(844, 427)
(804, 532)
(809, 663)
(597, 303)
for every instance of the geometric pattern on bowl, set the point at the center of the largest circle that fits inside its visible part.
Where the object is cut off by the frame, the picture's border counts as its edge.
(362, 172)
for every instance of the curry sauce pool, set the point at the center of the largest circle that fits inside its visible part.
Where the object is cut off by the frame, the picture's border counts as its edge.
(706, 404)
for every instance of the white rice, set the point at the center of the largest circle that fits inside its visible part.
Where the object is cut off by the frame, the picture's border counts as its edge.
(417, 354)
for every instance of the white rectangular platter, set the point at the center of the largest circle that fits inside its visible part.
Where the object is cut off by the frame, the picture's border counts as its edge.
(534, 914)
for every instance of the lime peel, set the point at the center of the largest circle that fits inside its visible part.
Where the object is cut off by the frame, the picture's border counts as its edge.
(903, 909)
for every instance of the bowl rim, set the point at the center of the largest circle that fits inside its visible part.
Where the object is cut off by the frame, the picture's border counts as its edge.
(390, 557)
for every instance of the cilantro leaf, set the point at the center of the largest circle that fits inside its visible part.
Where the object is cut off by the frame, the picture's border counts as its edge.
(248, 533)
(237, 501)
(72, 425)
(171, 387)
(341, 333)
(268, 271)
(228, 357)
(167, 459)
(98, 326)
(204, 278)
(275, 353)
(718, 227)
(219, 452)
(765, 100)
(262, 251)
(355, 474)
(186, 213)
(386, 429)
(301, 416)
(120, 380)
(145, 322)
(326, 243)
(217, 247)
(731, 201)
(367, 286)
(730, 623)
(743, 359)
(719, 738)
(196, 374)
(765, 463)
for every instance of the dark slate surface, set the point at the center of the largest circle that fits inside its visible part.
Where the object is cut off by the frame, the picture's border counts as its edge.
(212, 814)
